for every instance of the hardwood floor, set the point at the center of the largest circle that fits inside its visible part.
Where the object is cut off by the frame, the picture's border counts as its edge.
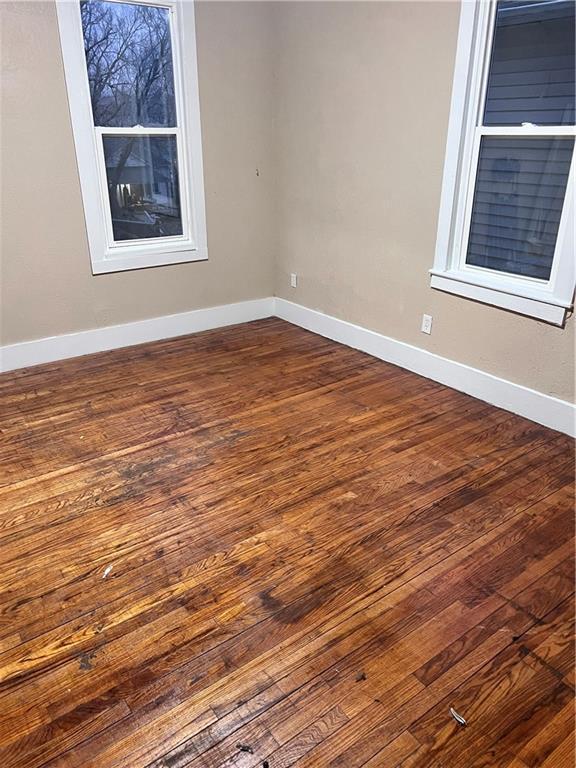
(254, 537)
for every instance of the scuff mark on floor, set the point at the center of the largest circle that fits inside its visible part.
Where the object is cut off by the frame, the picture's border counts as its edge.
(85, 660)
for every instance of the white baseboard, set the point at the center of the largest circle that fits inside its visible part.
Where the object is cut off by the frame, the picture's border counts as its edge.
(544, 409)
(536, 406)
(112, 337)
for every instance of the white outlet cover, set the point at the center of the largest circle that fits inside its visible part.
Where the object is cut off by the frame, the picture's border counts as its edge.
(426, 324)
(293, 279)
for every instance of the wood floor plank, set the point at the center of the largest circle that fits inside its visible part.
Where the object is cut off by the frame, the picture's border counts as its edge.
(507, 698)
(253, 545)
(396, 753)
(550, 738)
(563, 755)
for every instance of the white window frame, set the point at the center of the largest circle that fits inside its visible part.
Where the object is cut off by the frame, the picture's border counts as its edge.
(546, 300)
(106, 254)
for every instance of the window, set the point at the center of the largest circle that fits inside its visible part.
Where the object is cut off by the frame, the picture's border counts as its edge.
(506, 226)
(133, 93)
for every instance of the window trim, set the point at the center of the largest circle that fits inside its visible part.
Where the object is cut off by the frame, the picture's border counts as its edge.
(546, 300)
(106, 255)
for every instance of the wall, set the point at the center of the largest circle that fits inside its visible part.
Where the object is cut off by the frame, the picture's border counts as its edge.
(362, 110)
(47, 287)
(343, 108)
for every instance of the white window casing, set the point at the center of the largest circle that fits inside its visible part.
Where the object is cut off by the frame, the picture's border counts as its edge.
(547, 300)
(108, 255)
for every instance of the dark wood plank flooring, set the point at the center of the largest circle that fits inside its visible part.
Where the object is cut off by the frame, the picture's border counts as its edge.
(256, 537)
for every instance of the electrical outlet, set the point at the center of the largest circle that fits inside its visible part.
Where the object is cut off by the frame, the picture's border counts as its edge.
(293, 279)
(426, 324)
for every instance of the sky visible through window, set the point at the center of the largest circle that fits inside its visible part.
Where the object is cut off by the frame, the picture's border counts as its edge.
(129, 59)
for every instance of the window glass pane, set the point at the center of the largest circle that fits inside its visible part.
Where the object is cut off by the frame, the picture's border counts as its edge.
(518, 199)
(142, 174)
(531, 77)
(129, 58)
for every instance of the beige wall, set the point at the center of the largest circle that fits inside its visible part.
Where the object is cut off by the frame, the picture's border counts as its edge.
(46, 283)
(363, 104)
(343, 108)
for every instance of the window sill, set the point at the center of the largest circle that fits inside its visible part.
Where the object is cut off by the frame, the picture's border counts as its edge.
(547, 309)
(122, 263)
